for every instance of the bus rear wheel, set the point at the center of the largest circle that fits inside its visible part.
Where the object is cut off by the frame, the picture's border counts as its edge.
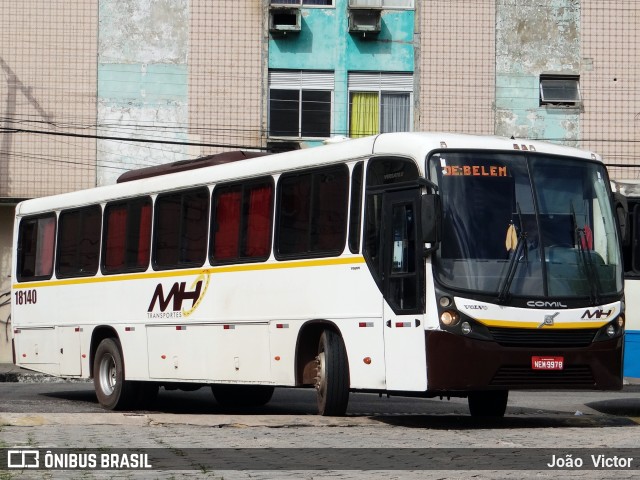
(112, 390)
(489, 403)
(332, 379)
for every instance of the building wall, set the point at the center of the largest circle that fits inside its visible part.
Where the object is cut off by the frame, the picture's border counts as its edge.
(457, 65)
(324, 43)
(227, 60)
(142, 83)
(611, 83)
(47, 84)
(6, 233)
(534, 38)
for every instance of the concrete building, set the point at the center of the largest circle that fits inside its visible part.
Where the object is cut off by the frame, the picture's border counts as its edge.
(80, 76)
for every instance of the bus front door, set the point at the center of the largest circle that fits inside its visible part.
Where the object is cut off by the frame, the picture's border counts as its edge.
(403, 287)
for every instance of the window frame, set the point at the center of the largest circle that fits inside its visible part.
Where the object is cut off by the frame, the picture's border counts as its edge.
(559, 102)
(156, 219)
(380, 4)
(310, 252)
(95, 265)
(380, 83)
(20, 248)
(245, 189)
(301, 81)
(129, 203)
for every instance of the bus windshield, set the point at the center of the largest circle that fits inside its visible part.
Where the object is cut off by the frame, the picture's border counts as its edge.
(525, 224)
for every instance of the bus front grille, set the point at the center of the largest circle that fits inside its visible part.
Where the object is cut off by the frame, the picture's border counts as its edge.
(523, 337)
(570, 376)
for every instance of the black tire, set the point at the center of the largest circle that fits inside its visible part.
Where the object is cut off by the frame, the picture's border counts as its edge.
(112, 390)
(332, 379)
(490, 403)
(242, 396)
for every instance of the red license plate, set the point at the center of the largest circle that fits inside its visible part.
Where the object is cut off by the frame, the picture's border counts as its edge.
(547, 363)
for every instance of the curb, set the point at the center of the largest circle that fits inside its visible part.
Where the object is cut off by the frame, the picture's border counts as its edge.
(19, 375)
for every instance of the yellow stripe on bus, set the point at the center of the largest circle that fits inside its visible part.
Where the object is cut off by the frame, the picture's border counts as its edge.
(323, 262)
(555, 326)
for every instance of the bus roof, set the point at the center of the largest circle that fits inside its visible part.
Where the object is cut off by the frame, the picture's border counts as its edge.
(410, 144)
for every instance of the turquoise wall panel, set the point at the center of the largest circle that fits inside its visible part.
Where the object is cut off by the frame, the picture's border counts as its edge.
(142, 83)
(324, 43)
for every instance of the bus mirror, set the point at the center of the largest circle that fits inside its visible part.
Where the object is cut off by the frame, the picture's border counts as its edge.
(622, 216)
(431, 218)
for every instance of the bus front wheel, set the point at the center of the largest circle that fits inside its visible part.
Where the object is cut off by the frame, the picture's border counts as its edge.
(332, 379)
(113, 392)
(489, 403)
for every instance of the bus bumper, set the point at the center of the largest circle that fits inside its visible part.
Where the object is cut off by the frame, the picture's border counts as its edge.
(457, 363)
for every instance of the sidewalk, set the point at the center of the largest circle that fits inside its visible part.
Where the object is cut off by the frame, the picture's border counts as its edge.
(11, 373)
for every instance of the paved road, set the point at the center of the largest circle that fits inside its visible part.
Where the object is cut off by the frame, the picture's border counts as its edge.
(66, 415)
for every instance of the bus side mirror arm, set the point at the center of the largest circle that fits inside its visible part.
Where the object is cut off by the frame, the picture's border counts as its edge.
(430, 221)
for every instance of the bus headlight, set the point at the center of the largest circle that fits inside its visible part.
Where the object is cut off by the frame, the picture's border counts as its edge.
(466, 328)
(611, 330)
(445, 301)
(450, 318)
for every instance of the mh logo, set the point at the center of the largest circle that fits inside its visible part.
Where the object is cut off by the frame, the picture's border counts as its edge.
(598, 313)
(178, 294)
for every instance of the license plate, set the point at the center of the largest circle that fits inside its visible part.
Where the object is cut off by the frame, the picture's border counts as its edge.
(547, 363)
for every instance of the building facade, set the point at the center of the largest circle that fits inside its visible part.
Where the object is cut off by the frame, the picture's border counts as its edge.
(91, 89)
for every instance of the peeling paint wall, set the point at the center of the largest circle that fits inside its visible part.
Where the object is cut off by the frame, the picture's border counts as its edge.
(142, 83)
(534, 38)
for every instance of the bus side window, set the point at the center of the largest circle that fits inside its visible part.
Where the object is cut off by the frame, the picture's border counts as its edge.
(634, 244)
(79, 242)
(36, 240)
(311, 217)
(355, 208)
(127, 236)
(241, 222)
(181, 225)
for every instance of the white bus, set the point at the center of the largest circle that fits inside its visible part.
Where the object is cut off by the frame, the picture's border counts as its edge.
(630, 189)
(417, 264)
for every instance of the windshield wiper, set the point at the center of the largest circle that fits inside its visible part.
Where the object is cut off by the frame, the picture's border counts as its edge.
(586, 260)
(521, 244)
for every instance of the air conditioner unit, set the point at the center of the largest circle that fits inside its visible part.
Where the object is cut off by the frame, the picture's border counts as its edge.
(284, 19)
(365, 3)
(365, 20)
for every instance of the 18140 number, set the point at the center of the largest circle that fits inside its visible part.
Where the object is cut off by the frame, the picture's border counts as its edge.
(26, 297)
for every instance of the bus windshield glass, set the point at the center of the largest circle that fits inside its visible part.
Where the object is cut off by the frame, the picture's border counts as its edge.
(524, 224)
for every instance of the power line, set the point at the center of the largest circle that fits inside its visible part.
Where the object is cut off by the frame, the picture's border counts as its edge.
(125, 139)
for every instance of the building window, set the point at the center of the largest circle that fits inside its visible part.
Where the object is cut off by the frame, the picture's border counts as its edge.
(303, 2)
(300, 104)
(560, 90)
(379, 103)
